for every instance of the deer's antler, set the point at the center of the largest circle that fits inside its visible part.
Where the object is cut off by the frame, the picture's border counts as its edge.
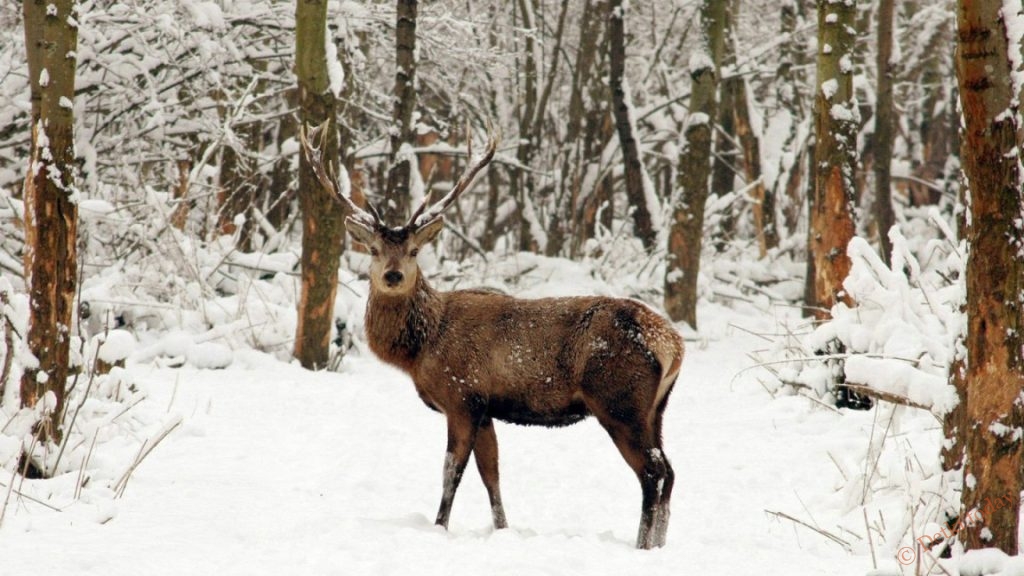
(339, 188)
(427, 211)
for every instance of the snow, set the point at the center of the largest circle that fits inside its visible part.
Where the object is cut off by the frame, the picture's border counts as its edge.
(335, 73)
(829, 88)
(279, 470)
(205, 14)
(700, 60)
(1012, 14)
(843, 113)
(846, 64)
(115, 346)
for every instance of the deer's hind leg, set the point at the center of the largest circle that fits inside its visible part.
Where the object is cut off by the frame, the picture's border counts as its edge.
(485, 452)
(642, 451)
(662, 508)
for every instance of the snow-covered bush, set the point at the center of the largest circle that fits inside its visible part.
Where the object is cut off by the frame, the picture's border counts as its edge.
(898, 339)
(896, 345)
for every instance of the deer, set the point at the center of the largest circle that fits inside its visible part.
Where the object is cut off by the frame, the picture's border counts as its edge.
(477, 355)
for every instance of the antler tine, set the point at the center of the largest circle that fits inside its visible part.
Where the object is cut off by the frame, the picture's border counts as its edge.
(314, 155)
(427, 212)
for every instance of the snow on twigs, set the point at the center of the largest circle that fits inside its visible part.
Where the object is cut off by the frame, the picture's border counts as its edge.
(895, 343)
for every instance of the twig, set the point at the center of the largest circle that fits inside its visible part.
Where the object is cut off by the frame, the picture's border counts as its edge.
(935, 560)
(838, 467)
(871, 542)
(751, 332)
(5, 371)
(144, 451)
(846, 545)
(85, 463)
(7, 499)
(10, 488)
(85, 397)
(869, 474)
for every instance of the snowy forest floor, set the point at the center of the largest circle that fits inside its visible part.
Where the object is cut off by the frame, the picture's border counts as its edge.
(277, 470)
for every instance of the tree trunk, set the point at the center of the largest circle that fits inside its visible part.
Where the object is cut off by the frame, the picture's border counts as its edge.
(884, 135)
(763, 199)
(631, 161)
(237, 185)
(598, 130)
(522, 183)
(789, 183)
(396, 205)
(726, 163)
(995, 274)
(686, 234)
(323, 227)
(836, 120)
(51, 209)
(282, 179)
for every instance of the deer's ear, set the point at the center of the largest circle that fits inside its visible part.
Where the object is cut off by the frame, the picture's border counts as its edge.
(429, 231)
(359, 231)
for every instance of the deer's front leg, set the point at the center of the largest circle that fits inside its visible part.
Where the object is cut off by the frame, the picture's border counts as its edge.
(461, 436)
(485, 451)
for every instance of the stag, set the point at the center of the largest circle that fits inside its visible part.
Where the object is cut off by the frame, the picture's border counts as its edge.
(477, 356)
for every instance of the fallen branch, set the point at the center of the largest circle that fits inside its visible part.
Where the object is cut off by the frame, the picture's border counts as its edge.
(890, 397)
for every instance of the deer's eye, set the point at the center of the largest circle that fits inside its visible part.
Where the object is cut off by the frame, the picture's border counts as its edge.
(414, 252)
(374, 252)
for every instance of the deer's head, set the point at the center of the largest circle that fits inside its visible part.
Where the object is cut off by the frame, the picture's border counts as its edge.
(393, 250)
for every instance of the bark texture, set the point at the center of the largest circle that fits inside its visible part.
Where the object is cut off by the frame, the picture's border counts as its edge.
(687, 225)
(993, 414)
(836, 122)
(323, 226)
(51, 212)
(738, 148)
(396, 205)
(884, 124)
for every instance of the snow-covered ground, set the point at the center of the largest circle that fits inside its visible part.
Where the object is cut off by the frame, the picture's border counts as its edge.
(277, 470)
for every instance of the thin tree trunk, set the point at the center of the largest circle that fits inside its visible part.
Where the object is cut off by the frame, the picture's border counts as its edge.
(725, 166)
(884, 134)
(993, 413)
(836, 121)
(631, 161)
(789, 184)
(686, 234)
(51, 210)
(179, 216)
(522, 182)
(237, 186)
(323, 227)
(598, 130)
(763, 199)
(282, 179)
(558, 224)
(396, 206)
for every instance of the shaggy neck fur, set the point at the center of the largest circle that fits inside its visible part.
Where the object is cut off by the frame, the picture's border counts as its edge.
(398, 327)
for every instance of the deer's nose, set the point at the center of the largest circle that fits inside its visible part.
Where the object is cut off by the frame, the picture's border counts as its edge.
(392, 277)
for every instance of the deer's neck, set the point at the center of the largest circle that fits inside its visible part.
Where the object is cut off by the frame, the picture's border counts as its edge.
(399, 327)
